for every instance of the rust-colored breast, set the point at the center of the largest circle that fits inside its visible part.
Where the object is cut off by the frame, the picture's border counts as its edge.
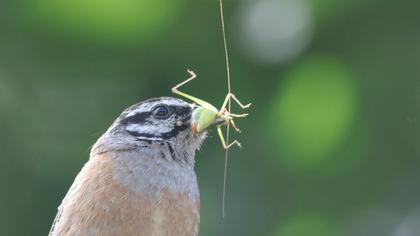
(98, 205)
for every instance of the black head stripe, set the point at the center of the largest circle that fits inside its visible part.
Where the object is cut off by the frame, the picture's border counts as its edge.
(140, 121)
(174, 132)
(164, 136)
(182, 111)
(136, 118)
(141, 117)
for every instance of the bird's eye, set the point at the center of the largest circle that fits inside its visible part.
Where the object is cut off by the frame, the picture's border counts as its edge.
(161, 112)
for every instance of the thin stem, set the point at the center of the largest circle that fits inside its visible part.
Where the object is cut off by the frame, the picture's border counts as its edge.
(229, 105)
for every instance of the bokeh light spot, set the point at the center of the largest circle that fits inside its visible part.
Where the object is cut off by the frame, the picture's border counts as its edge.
(314, 111)
(274, 31)
(409, 225)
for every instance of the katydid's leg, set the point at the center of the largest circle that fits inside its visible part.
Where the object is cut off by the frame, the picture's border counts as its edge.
(235, 127)
(231, 95)
(192, 98)
(238, 115)
(222, 139)
(227, 113)
(175, 88)
(239, 102)
(193, 76)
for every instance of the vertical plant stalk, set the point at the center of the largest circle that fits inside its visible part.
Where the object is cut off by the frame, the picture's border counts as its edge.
(229, 106)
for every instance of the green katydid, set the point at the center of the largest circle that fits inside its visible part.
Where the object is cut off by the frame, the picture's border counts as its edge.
(207, 115)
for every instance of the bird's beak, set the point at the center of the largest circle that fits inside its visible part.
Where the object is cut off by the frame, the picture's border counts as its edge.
(216, 122)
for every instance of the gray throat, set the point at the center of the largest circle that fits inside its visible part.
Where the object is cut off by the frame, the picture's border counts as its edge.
(152, 166)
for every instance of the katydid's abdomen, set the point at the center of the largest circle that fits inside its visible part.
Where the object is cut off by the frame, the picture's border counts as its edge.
(202, 118)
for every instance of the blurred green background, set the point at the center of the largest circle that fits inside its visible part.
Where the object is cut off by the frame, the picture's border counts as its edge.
(332, 145)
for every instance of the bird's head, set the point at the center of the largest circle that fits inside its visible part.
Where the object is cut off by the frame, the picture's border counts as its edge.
(155, 122)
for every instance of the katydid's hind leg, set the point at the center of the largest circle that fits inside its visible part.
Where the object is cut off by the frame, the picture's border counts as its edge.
(239, 102)
(231, 95)
(222, 139)
(192, 76)
(190, 97)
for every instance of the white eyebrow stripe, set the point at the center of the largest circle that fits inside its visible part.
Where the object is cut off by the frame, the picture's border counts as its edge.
(148, 129)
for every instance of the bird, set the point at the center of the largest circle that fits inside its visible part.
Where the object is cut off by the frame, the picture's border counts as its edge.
(140, 178)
